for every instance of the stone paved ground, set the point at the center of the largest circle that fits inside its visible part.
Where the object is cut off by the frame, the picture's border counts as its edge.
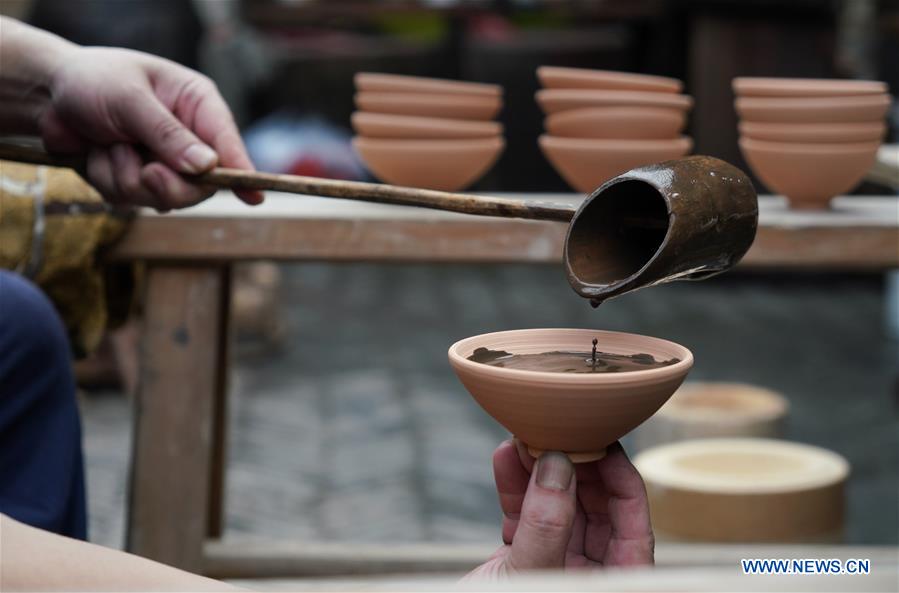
(358, 430)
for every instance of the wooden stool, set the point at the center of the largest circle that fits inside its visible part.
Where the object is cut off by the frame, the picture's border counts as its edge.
(704, 410)
(745, 490)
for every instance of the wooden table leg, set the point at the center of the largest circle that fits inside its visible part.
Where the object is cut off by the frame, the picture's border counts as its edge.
(218, 466)
(173, 430)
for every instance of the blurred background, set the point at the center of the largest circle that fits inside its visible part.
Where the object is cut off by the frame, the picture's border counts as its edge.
(347, 423)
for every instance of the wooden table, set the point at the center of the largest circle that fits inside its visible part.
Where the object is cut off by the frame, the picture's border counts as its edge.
(175, 511)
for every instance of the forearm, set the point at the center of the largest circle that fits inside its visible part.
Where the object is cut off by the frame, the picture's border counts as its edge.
(29, 59)
(33, 559)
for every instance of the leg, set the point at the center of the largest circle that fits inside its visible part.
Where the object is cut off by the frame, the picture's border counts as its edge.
(173, 440)
(41, 465)
(219, 463)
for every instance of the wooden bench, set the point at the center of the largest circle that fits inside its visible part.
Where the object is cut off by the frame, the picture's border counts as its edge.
(176, 502)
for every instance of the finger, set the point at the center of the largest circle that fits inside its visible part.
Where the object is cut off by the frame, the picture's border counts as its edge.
(126, 170)
(145, 118)
(214, 124)
(172, 190)
(594, 499)
(99, 174)
(59, 137)
(547, 515)
(630, 539)
(527, 461)
(511, 484)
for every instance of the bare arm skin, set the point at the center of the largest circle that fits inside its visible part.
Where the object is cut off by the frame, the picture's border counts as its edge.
(32, 559)
(138, 119)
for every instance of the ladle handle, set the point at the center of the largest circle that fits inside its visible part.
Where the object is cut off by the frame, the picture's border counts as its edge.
(226, 178)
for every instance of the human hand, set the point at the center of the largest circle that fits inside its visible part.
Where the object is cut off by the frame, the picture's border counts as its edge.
(567, 516)
(141, 120)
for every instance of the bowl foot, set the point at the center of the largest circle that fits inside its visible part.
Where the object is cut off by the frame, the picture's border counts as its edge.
(575, 457)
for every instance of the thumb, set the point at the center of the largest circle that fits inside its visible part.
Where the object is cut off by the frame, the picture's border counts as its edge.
(547, 515)
(149, 122)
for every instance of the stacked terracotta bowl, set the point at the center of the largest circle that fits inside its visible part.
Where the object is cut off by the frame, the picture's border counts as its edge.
(601, 123)
(810, 139)
(426, 132)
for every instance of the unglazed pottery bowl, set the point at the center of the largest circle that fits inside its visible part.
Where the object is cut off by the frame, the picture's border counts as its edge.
(809, 174)
(388, 125)
(578, 414)
(585, 163)
(398, 83)
(861, 108)
(556, 77)
(805, 87)
(453, 106)
(617, 122)
(555, 100)
(448, 164)
(823, 132)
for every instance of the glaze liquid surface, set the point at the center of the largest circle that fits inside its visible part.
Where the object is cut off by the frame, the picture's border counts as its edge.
(570, 362)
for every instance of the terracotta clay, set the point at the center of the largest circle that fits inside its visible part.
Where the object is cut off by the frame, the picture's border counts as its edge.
(554, 100)
(556, 77)
(387, 125)
(617, 122)
(573, 413)
(809, 174)
(822, 132)
(744, 490)
(430, 105)
(805, 87)
(449, 165)
(585, 163)
(398, 83)
(862, 108)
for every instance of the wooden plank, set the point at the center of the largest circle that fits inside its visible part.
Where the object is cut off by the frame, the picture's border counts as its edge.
(167, 516)
(236, 559)
(642, 580)
(859, 233)
(219, 461)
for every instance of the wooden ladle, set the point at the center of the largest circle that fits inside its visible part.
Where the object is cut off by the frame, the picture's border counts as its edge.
(688, 218)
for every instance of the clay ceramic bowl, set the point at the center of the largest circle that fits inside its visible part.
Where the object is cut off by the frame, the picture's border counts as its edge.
(617, 122)
(809, 174)
(586, 163)
(805, 87)
(555, 77)
(430, 105)
(823, 132)
(398, 83)
(448, 164)
(388, 125)
(555, 100)
(861, 108)
(578, 414)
